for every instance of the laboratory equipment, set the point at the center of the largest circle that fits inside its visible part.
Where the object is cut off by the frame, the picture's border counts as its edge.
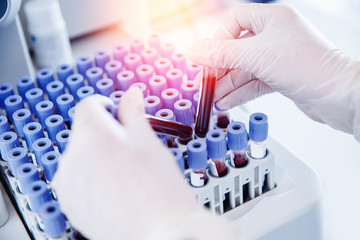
(246, 186)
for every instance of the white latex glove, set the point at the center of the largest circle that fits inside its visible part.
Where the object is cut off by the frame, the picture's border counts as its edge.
(281, 51)
(117, 181)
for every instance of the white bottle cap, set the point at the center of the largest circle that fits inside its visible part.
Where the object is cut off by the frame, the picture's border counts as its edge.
(43, 15)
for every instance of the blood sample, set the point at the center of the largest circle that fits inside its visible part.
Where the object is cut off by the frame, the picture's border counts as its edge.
(237, 142)
(197, 161)
(216, 148)
(258, 129)
(170, 128)
(206, 102)
(223, 119)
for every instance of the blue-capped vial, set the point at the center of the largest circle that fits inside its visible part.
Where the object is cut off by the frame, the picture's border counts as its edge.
(8, 141)
(43, 77)
(93, 75)
(63, 71)
(32, 132)
(64, 103)
(179, 158)
(40, 147)
(116, 96)
(53, 220)
(216, 148)
(197, 162)
(44, 109)
(33, 97)
(54, 124)
(21, 117)
(258, 132)
(62, 139)
(13, 103)
(83, 64)
(71, 115)
(105, 86)
(17, 157)
(50, 162)
(101, 57)
(5, 91)
(24, 84)
(55, 89)
(74, 82)
(38, 194)
(84, 92)
(26, 174)
(4, 125)
(237, 143)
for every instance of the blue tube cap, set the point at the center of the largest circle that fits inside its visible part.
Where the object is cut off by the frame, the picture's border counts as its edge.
(33, 97)
(64, 103)
(21, 117)
(216, 144)
(54, 124)
(26, 174)
(38, 194)
(258, 127)
(53, 219)
(4, 125)
(83, 64)
(43, 77)
(116, 96)
(8, 141)
(165, 114)
(197, 154)
(105, 86)
(40, 147)
(55, 89)
(24, 84)
(5, 91)
(17, 157)
(44, 109)
(63, 71)
(71, 114)
(62, 139)
(32, 132)
(237, 136)
(12, 104)
(50, 162)
(84, 92)
(179, 158)
(93, 75)
(74, 82)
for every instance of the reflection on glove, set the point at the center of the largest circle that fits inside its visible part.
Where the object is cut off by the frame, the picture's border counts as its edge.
(117, 181)
(281, 51)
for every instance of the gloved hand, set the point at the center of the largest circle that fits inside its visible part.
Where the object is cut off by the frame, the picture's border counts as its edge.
(117, 181)
(281, 51)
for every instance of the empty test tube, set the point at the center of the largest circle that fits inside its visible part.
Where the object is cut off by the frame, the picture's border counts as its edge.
(4, 125)
(93, 75)
(32, 132)
(64, 103)
(116, 96)
(43, 77)
(237, 142)
(188, 90)
(168, 98)
(84, 92)
(5, 91)
(152, 104)
(26, 174)
(258, 131)
(101, 57)
(38, 194)
(178, 158)
(136, 45)
(74, 82)
(54, 124)
(149, 55)
(162, 65)
(144, 72)
(63, 71)
(44, 109)
(33, 97)
(197, 162)
(50, 162)
(17, 157)
(192, 70)
(40, 147)
(8, 141)
(216, 148)
(62, 139)
(83, 64)
(105, 87)
(174, 78)
(141, 86)
(179, 61)
(12, 104)
(21, 118)
(53, 219)
(55, 89)
(24, 84)
(119, 52)
(125, 79)
(157, 84)
(132, 61)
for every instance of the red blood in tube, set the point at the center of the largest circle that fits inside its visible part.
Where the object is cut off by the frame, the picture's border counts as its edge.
(239, 160)
(221, 168)
(223, 121)
(171, 128)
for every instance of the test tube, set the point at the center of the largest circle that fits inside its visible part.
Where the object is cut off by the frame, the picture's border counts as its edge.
(93, 75)
(206, 102)
(155, 40)
(178, 155)
(43, 77)
(105, 87)
(149, 55)
(197, 162)
(125, 79)
(17, 157)
(170, 128)
(168, 98)
(179, 61)
(119, 52)
(21, 118)
(112, 68)
(144, 72)
(174, 78)
(101, 57)
(84, 92)
(33, 97)
(192, 70)
(65, 102)
(237, 142)
(40, 147)
(26, 174)
(136, 45)
(74, 82)
(83, 64)
(167, 114)
(162, 65)
(157, 84)
(188, 90)
(54, 124)
(44, 109)
(53, 219)
(55, 89)
(50, 162)
(258, 129)
(141, 86)
(166, 49)
(62, 139)
(63, 71)
(184, 112)
(216, 148)
(8, 141)
(132, 61)
(4, 125)
(5, 91)
(12, 104)
(32, 132)
(24, 84)
(116, 96)
(222, 118)
(38, 194)
(152, 105)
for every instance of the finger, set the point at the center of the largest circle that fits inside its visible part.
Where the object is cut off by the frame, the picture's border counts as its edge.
(243, 94)
(131, 107)
(231, 81)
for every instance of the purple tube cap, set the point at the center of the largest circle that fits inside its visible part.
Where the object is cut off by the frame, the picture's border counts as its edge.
(216, 144)
(166, 114)
(53, 219)
(258, 127)
(237, 136)
(197, 154)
